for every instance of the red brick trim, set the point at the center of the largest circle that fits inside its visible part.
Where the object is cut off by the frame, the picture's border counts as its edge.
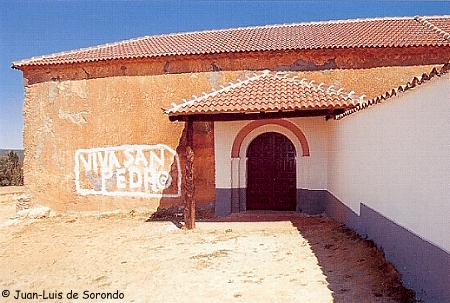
(255, 124)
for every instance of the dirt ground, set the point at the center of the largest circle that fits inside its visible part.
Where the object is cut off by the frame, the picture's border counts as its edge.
(8, 194)
(270, 258)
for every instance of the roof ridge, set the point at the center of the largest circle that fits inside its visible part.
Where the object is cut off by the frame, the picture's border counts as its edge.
(414, 82)
(223, 88)
(328, 90)
(433, 27)
(99, 46)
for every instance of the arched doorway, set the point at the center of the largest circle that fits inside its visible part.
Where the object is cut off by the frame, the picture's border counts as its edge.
(271, 173)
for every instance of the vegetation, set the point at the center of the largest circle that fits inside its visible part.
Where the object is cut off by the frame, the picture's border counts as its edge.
(11, 173)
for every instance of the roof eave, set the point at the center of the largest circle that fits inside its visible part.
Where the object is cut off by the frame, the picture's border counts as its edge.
(19, 65)
(395, 92)
(254, 115)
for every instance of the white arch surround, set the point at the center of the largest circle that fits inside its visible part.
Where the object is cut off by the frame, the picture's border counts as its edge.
(266, 129)
(239, 165)
(244, 132)
(231, 141)
(242, 181)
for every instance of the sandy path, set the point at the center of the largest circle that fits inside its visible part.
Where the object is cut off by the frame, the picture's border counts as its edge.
(8, 196)
(295, 259)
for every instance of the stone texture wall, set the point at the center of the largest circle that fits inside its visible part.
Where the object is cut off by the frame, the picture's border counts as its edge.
(63, 116)
(99, 104)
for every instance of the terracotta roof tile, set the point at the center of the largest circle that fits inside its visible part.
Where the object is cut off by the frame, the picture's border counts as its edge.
(267, 92)
(440, 26)
(381, 32)
(396, 91)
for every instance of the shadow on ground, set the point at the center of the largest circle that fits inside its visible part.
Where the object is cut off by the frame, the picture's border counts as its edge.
(343, 257)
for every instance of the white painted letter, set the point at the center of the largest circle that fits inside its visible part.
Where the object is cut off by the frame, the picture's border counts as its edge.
(103, 160)
(120, 178)
(86, 163)
(154, 157)
(133, 182)
(113, 160)
(140, 158)
(129, 157)
(106, 175)
(147, 177)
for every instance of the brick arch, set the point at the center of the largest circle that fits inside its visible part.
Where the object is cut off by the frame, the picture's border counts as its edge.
(258, 123)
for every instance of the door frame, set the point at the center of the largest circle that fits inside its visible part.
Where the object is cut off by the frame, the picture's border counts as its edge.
(239, 159)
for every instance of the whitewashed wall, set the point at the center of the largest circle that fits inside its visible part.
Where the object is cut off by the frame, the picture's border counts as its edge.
(311, 170)
(395, 158)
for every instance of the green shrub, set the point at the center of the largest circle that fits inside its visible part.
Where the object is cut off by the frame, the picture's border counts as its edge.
(11, 173)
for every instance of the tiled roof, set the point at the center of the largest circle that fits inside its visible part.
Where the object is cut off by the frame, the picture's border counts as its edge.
(380, 32)
(267, 92)
(396, 91)
(440, 26)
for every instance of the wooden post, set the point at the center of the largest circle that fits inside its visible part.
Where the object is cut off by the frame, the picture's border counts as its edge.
(189, 210)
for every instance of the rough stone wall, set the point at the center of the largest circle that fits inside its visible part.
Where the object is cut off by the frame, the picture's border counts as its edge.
(99, 104)
(63, 116)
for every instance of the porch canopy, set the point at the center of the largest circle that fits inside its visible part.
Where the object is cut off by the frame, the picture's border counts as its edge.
(266, 95)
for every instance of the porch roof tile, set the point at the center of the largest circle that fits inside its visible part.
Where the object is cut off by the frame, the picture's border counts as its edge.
(268, 91)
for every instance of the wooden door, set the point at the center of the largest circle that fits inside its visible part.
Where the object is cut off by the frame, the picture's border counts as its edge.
(271, 173)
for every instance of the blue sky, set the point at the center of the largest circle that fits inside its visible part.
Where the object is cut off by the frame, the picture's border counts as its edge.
(31, 28)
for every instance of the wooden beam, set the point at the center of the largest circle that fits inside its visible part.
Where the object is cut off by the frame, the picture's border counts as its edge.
(189, 210)
(258, 116)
